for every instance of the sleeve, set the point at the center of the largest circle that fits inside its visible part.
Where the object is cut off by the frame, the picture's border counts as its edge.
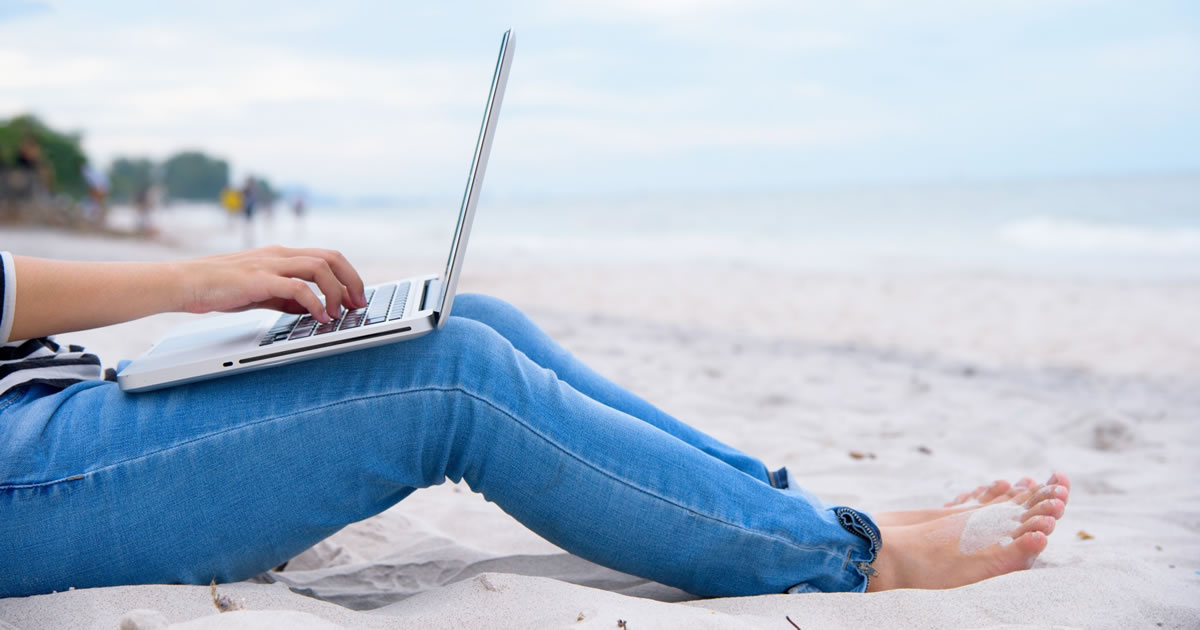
(8, 295)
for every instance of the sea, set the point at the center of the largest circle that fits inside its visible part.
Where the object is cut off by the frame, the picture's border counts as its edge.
(1138, 227)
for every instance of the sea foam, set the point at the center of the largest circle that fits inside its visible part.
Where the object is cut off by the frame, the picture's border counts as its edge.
(1043, 233)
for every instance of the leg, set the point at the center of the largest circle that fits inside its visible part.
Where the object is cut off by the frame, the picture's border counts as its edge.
(526, 337)
(229, 477)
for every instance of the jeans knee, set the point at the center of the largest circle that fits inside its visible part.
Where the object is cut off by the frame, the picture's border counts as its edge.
(485, 308)
(470, 349)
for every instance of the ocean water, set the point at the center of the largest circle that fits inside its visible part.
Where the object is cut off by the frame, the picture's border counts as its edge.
(1139, 227)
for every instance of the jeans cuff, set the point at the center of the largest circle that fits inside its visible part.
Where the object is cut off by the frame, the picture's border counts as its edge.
(862, 526)
(860, 557)
(860, 552)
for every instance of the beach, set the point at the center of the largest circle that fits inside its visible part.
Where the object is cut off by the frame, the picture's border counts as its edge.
(880, 388)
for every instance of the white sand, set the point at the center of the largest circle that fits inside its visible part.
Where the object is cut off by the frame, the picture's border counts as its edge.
(949, 380)
(989, 526)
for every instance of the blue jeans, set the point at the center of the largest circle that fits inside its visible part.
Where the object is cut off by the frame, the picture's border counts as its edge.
(227, 478)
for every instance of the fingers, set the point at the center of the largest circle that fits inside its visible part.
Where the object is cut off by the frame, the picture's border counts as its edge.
(329, 269)
(342, 270)
(318, 271)
(297, 291)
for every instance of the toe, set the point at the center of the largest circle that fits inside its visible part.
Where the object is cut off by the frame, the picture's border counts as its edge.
(1037, 496)
(1045, 493)
(1027, 494)
(1061, 480)
(1043, 524)
(998, 489)
(1025, 482)
(1029, 546)
(1053, 508)
(959, 500)
(1015, 556)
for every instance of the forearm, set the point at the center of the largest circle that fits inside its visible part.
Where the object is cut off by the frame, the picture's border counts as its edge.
(55, 296)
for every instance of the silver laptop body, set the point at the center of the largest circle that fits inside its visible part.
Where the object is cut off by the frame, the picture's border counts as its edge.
(405, 309)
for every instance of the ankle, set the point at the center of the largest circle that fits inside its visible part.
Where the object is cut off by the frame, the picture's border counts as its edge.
(889, 561)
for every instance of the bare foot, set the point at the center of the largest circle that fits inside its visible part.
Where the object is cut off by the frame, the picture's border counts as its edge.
(971, 544)
(983, 494)
(996, 492)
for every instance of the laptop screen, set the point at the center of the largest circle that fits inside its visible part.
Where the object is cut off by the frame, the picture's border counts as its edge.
(483, 146)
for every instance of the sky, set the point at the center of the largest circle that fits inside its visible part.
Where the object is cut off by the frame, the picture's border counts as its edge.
(624, 97)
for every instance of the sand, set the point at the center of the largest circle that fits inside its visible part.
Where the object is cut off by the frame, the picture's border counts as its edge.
(989, 526)
(940, 381)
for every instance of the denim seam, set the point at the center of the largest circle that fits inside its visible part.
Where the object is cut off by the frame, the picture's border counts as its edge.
(9, 397)
(404, 392)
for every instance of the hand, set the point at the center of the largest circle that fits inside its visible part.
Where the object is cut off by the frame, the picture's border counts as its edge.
(272, 277)
(57, 296)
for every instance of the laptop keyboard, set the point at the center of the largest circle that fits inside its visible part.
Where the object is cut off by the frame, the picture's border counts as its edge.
(384, 303)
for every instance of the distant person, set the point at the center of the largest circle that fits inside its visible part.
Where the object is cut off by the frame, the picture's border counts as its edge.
(265, 199)
(95, 205)
(143, 204)
(249, 198)
(231, 200)
(299, 209)
(227, 478)
(249, 205)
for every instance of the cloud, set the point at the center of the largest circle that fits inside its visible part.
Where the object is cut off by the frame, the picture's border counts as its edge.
(624, 11)
(154, 89)
(383, 97)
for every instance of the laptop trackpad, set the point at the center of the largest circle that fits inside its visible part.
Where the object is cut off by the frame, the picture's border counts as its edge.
(215, 337)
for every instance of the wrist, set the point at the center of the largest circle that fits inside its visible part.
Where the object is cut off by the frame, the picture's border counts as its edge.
(182, 281)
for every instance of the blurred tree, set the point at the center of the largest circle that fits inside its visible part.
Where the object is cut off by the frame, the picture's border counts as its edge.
(127, 177)
(194, 176)
(62, 170)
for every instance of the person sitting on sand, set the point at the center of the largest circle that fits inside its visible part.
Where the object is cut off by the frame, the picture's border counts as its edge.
(226, 478)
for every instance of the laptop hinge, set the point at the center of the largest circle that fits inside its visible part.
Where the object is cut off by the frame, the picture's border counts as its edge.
(432, 295)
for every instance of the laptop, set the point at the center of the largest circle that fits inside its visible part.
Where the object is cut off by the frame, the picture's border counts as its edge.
(404, 309)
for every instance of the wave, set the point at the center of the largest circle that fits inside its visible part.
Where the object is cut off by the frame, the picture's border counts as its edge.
(1049, 234)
